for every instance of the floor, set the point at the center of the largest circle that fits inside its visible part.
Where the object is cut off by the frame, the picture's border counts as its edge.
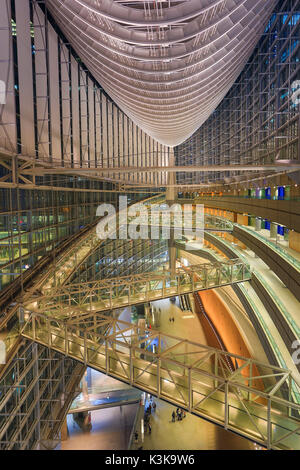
(185, 325)
(192, 433)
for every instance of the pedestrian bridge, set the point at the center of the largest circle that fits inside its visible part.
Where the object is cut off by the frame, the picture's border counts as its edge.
(255, 400)
(61, 271)
(102, 295)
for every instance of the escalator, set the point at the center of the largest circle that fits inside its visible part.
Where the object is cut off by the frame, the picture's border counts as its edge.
(184, 303)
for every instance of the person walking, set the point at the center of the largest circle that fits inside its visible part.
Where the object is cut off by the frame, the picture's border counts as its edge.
(173, 416)
(177, 413)
(149, 428)
(153, 406)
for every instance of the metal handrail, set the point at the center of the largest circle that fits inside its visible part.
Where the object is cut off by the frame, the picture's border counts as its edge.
(107, 294)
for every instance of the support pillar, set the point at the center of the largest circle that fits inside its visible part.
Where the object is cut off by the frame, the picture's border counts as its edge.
(64, 430)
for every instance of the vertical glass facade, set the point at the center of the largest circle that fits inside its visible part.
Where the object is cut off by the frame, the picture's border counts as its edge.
(258, 120)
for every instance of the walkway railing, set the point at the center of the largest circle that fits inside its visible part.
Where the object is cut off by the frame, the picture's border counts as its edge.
(253, 400)
(278, 249)
(102, 295)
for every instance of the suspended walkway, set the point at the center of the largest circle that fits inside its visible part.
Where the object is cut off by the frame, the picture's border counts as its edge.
(255, 400)
(102, 295)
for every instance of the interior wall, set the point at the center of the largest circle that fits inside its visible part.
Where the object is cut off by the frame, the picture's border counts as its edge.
(226, 329)
(294, 240)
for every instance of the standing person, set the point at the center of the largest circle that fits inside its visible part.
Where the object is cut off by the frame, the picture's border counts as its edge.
(149, 428)
(149, 408)
(173, 417)
(177, 413)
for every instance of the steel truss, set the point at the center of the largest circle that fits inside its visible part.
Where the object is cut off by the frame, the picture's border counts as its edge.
(103, 295)
(21, 171)
(18, 170)
(253, 399)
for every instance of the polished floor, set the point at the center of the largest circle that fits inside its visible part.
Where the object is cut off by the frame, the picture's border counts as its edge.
(192, 433)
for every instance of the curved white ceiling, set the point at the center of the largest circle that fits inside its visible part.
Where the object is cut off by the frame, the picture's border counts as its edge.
(166, 63)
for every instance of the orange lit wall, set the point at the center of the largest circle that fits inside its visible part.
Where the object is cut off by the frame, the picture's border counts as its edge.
(242, 219)
(226, 329)
(294, 241)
